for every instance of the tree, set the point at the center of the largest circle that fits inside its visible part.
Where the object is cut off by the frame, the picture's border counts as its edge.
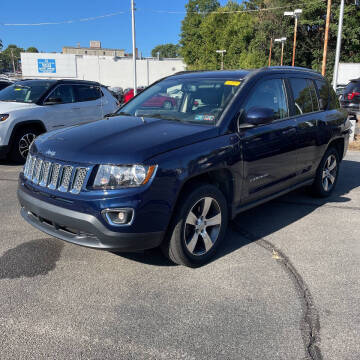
(191, 39)
(32, 49)
(166, 51)
(10, 58)
(246, 36)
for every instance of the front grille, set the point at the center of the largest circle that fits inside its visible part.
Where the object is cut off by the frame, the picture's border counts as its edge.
(55, 176)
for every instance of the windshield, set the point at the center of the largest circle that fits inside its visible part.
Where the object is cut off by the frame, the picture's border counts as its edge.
(25, 91)
(194, 100)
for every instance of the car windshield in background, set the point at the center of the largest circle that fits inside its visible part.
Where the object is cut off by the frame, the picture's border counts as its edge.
(195, 100)
(25, 91)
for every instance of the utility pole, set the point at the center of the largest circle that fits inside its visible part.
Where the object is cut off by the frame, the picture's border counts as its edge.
(222, 52)
(338, 45)
(323, 68)
(271, 43)
(133, 44)
(295, 14)
(282, 40)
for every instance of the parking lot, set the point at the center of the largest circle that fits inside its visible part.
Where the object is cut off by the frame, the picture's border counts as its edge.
(285, 286)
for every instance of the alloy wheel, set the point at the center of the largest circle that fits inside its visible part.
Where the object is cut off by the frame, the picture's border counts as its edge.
(24, 144)
(202, 226)
(329, 173)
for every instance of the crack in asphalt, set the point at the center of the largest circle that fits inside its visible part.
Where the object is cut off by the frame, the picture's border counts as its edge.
(318, 205)
(310, 326)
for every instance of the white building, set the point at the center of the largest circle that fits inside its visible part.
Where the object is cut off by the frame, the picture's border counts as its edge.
(110, 71)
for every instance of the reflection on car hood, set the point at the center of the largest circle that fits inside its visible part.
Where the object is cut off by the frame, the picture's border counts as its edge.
(120, 139)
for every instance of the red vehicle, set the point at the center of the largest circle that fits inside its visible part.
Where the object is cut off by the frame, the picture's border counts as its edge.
(129, 94)
(160, 101)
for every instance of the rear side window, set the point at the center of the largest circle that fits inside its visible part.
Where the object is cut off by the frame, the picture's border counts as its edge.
(323, 88)
(303, 100)
(87, 93)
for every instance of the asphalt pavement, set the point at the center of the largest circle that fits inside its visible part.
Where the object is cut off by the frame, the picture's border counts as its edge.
(285, 285)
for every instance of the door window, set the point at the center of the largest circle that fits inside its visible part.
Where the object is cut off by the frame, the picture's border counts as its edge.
(64, 93)
(323, 88)
(304, 97)
(88, 93)
(269, 94)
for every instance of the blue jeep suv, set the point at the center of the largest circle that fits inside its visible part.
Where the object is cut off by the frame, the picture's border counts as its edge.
(192, 151)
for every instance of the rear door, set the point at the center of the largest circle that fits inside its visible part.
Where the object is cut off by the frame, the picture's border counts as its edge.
(88, 103)
(306, 111)
(268, 150)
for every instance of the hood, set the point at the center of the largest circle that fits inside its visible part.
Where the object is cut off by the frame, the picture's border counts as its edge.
(6, 107)
(120, 140)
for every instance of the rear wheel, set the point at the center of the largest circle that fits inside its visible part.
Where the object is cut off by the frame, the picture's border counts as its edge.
(21, 144)
(198, 227)
(327, 174)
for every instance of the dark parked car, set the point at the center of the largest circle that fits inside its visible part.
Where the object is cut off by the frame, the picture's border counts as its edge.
(173, 178)
(350, 99)
(5, 83)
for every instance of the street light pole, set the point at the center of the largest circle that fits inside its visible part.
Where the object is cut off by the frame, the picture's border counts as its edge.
(282, 40)
(295, 14)
(133, 45)
(222, 52)
(323, 68)
(338, 45)
(270, 51)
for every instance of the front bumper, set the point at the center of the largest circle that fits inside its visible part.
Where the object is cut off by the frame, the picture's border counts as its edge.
(80, 228)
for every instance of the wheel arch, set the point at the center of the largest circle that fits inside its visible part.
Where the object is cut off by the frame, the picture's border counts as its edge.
(37, 124)
(221, 178)
(339, 145)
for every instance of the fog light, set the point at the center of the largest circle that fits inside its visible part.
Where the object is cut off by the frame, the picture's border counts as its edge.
(119, 216)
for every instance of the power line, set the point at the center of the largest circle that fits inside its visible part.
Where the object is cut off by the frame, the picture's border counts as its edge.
(69, 21)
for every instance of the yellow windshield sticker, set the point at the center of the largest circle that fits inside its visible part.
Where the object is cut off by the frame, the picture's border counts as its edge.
(232, 83)
(18, 89)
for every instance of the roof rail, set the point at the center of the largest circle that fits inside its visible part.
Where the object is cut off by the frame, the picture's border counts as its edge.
(296, 68)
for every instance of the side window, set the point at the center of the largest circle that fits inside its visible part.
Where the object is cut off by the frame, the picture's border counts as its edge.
(314, 97)
(302, 96)
(334, 101)
(269, 94)
(87, 93)
(323, 88)
(64, 94)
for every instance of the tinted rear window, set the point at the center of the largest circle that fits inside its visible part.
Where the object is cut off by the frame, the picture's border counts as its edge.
(87, 92)
(302, 96)
(323, 88)
(352, 87)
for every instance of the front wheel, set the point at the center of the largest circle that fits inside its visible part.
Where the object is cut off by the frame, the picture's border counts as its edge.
(198, 227)
(21, 144)
(327, 174)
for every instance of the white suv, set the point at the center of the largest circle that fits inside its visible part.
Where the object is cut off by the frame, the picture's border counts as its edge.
(29, 108)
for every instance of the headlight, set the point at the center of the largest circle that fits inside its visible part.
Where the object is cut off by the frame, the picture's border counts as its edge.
(121, 176)
(3, 117)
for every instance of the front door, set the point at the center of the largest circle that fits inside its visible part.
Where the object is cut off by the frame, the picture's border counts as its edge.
(269, 150)
(59, 107)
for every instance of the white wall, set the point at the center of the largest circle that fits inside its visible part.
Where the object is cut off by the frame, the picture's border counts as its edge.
(104, 69)
(347, 72)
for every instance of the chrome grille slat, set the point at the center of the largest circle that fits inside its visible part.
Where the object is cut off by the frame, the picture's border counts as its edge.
(65, 178)
(55, 176)
(80, 175)
(45, 173)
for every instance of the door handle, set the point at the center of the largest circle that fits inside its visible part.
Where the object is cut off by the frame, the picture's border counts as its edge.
(289, 131)
(75, 108)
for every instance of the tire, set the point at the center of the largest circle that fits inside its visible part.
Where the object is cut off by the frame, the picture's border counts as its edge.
(191, 241)
(327, 174)
(21, 143)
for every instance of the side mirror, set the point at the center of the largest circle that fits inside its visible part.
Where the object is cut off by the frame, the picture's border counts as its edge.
(257, 116)
(53, 101)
